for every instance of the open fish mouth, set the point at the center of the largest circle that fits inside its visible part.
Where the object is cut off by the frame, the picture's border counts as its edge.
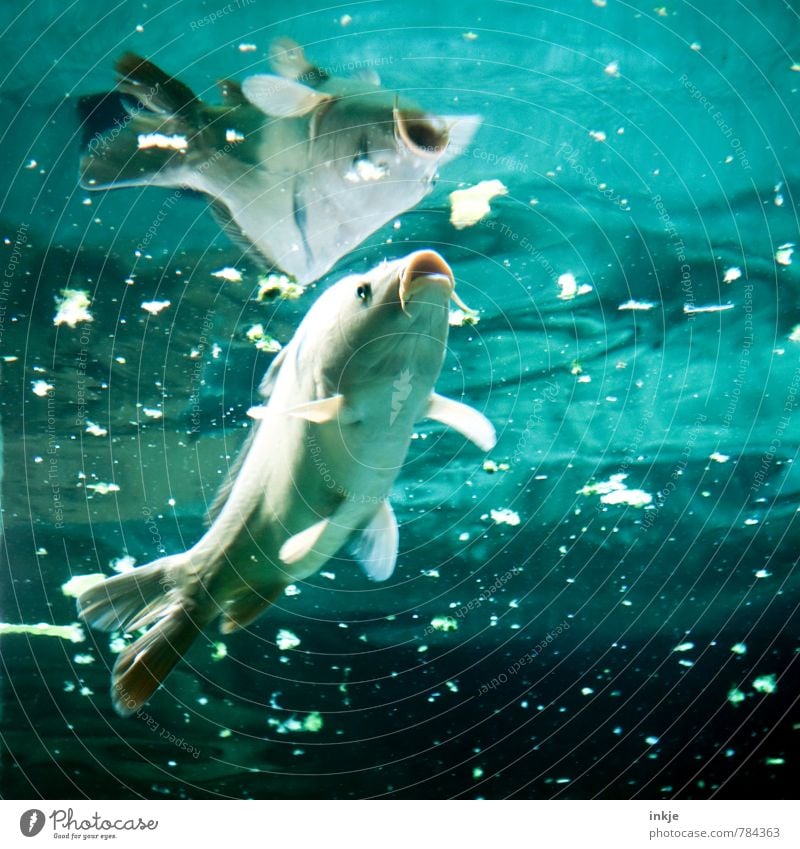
(420, 134)
(423, 268)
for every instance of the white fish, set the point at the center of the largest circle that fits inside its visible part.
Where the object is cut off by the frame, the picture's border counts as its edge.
(302, 167)
(340, 404)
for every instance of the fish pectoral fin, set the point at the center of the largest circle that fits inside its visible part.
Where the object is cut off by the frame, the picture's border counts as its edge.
(471, 424)
(377, 548)
(281, 97)
(319, 412)
(298, 546)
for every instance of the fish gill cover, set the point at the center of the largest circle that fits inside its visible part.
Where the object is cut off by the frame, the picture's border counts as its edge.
(602, 605)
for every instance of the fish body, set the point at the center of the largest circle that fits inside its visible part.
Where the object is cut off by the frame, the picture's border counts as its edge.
(301, 167)
(340, 404)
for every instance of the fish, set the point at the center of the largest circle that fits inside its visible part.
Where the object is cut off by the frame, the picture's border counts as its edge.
(339, 405)
(300, 166)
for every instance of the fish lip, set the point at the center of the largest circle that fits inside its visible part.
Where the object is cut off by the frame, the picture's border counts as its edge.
(402, 133)
(425, 265)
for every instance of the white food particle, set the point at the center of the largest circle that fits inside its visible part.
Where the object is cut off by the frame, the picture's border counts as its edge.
(612, 69)
(102, 488)
(739, 648)
(469, 206)
(41, 387)
(614, 491)
(794, 336)
(719, 458)
(458, 318)
(651, 740)
(229, 274)
(731, 274)
(636, 305)
(783, 256)
(690, 309)
(83, 659)
(684, 647)
(152, 413)
(287, 640)
(246, 47)
(505, 516)
(72, 307)
(444, 623)
(763, 573)
(597, 135)
(263, 341)
(570, 288)
(735, 696)
(765, 684)
(95, 430)
(159, 140)
(73, 633)
(155, 307)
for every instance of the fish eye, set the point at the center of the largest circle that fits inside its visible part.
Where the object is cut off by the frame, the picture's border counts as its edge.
(364, 293)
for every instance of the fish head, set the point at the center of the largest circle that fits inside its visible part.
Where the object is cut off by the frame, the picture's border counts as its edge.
(391, 320)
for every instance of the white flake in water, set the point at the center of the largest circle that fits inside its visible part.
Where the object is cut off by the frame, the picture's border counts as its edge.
(783, 256)
(83, 659)
(505, 516)
(691, 309)
(468, 206)
(463, 537)
(739, 648)
(233, 136)
(155, 307)
(570, 288)
(684, 647)
(587, 691)
(731, 274)
(458, 318)
(152, 413)
(444, 623)
(232, 275)
(95, 430)
(763, 573)
(719, 458)
(102, 488)
(246, 47)
(123, 564)
(263, 341)
(159, 140)
(292, 590)
(735, 696)
(612, 69)
(765, 684)
(117, 645)
(72, 307)
(651, 741)
(630, 497)
(41, 387)
(78, 584)
(794, 336)
(73, 633)
(287, 640)
(597, 135)
(636, 305)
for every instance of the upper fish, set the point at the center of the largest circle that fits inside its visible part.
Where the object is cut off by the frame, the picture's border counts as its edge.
(300, 166)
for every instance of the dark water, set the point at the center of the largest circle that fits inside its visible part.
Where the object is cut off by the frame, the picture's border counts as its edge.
(562, 678)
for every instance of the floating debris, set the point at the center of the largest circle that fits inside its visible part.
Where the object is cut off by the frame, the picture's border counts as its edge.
(220, 651)
(78, 584)
(41, 387)
(460, 318)
(684, 647)
(102, 488)
(774, 761)
(228, 273)
(287, 640)
(731, 274)
(123, 564)
(73, 633)
(469, 36)
(95, 429)
(598, 135)
(278, 286)
(311, 723)
(636, 305)
(794, 336)
(765, 684)
(263, 341)
(72, 307)
(615, 492)
(736, 696)
(612, 69)
(491, 467)
(469, 206)
(505, 516)
(783, 256)
(690, 309)
(155, 307)
(152, 412)
(570, 289)
(719, 458)
(444, 623)
(83, 659)
(739, 648)
(651, 741)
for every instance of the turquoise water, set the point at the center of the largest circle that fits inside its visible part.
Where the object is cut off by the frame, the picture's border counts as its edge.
(649, 152)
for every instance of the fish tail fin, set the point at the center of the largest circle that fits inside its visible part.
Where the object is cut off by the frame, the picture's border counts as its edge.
(147, 597)
(141, 133)
(142, 667)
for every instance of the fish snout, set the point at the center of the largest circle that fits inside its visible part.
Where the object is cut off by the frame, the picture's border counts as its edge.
(422, 135)
(422, 269)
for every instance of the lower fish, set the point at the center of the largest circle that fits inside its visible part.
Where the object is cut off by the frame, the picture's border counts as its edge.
(340, 405)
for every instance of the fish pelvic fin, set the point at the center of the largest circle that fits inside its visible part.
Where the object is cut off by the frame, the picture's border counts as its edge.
(142, 667)
(470, 423)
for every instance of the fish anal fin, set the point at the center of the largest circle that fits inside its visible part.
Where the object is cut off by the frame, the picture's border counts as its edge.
(241, 612)
(470, 423)
(234, 232)
(376, 551)
(300, 545)
(280, 97)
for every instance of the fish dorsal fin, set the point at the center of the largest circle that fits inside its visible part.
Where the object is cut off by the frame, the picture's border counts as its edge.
(319, 412)
(224, 491)
(376, 551)
(270, 378)
(289, 60)
(298, 546)
(281, 98)
(471, 424)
